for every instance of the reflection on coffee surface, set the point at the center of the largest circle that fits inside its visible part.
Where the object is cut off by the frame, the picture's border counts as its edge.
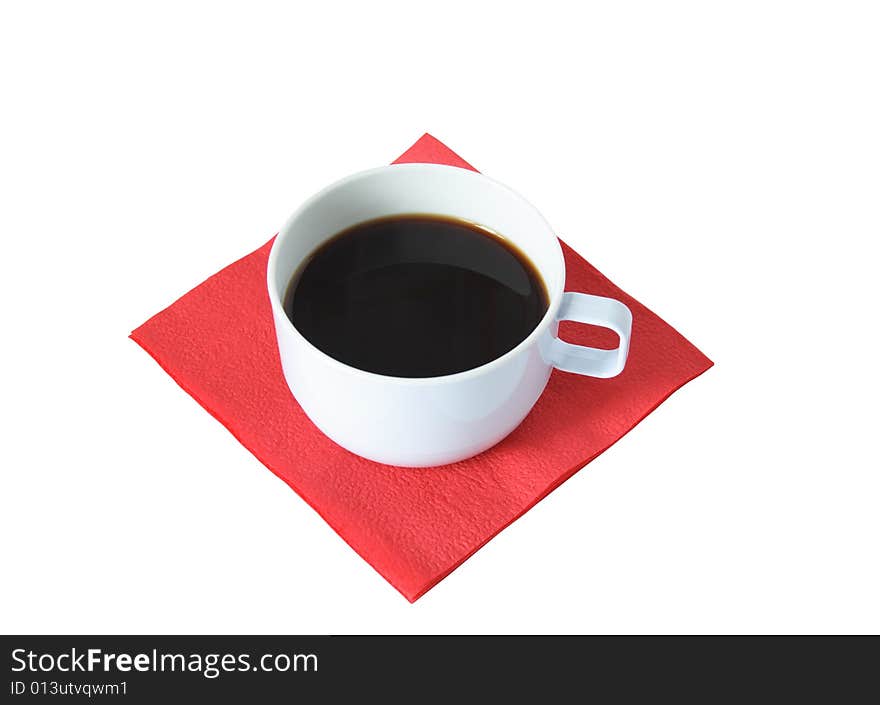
(416, 296)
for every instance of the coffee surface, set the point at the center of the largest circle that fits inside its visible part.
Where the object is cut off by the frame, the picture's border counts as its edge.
(416, 296)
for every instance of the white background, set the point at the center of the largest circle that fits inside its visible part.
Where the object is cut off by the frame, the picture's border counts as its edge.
(719, 161)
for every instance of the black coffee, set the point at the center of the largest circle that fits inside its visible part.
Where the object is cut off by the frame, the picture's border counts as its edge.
(416, 296)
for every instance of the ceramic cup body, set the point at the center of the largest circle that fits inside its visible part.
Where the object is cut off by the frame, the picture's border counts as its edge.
(419, 422)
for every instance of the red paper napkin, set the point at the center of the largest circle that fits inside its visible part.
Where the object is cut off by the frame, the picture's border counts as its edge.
(414, 526)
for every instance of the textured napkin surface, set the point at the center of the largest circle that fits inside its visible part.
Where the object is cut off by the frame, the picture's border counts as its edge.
(414, 526)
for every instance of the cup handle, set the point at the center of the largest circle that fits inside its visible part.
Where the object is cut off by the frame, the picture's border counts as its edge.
(597, 311)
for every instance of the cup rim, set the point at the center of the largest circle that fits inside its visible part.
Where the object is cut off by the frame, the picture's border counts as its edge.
(555, 296)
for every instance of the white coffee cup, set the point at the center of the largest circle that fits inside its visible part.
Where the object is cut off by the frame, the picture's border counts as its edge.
(420, 422)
